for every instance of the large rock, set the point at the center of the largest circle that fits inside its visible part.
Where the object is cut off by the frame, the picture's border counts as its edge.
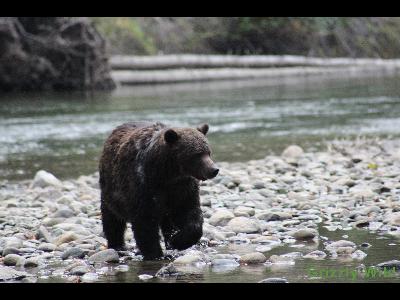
(362, 192)
(244, 211)
(13, 260)
(243, 225)
(342, 247)
(80, 270)
(43, 179)
(11, 250)
(66, 237)
(293, 151)
(392, 264)
(74, 252)
(32, 262)
(221, 217)
(10, 242)
(317, 254)
(47, 247)
(44, 234)
(52, 53)
(266, 215)
(109, 255)
(305, 234)
(393, 219)
(224, 264)
(253, 258)
(188, 259)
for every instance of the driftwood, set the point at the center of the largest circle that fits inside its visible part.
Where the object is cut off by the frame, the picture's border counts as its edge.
(187, 75)
(124, 62)
(46, 53)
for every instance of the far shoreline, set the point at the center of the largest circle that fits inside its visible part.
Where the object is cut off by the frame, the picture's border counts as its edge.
(162, 69)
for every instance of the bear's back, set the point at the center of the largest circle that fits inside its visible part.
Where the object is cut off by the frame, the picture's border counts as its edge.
(127, 139)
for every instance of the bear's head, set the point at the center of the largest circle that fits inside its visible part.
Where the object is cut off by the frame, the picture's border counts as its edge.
(189, 149)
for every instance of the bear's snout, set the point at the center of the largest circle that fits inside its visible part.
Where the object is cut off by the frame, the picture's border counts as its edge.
(210, 170)
(213, 172)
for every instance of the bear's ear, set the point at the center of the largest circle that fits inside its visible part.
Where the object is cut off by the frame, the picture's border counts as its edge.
(171, 136)
(203, 128)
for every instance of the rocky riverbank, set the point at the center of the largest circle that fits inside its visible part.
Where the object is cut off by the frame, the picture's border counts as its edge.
(52, 229)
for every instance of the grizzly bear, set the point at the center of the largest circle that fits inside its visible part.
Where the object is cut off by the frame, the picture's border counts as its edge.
(149, 177)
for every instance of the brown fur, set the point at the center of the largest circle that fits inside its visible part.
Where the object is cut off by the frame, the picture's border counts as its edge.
(149, 176)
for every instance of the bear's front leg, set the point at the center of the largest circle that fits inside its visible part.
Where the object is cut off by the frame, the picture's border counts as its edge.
(189, 230)
(145, 226)
(185, 214)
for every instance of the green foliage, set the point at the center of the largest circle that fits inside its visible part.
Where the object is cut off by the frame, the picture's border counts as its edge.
(125, 35)
(313, 36)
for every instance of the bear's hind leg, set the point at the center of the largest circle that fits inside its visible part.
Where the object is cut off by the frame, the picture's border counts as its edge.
(113, 228)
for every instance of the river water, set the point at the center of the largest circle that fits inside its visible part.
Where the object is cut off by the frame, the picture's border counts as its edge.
(64, 133)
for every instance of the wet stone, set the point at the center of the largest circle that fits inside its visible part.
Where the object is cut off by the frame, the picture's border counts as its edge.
(10, 250)
(13, 260)
(90, 277)
(109, 255)
(272, 216)
(315, 255)
(221, 217)
(292, 151)
(73, 253)
(280, 259)
(32, 262)
(259, 185)
(168, 270)
(81, 270)
(253, 258)
(365, 245)
(358, 255)
(63, 213)
(305, 234)
(66, 238)
(47, 247)
(224, 262)
(244, 225)
(145, 277)
(340, 244)
(44, 179)
(390, 264)
(188, 259)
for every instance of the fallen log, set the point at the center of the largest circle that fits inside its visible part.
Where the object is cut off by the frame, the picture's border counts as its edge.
(186, 75)
(126, 62)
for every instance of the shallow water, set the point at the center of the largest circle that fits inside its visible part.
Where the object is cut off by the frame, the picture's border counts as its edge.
(63, 133)
(384, 248)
